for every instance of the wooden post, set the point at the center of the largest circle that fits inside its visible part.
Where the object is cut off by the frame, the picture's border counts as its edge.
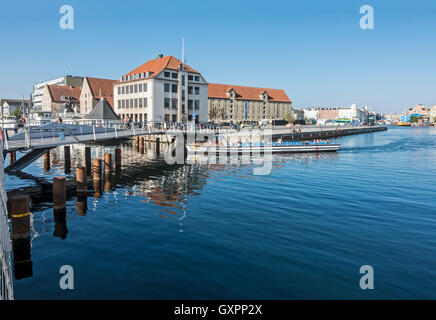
(47, 161)
(82, 203)
(141, 145)
(117, 160)
(157, 146)
(67, 159)
(12, 157)
(88, 160)
(96, 169)
(59, 193)
(81, 185)
(20, 214)
(107, 164)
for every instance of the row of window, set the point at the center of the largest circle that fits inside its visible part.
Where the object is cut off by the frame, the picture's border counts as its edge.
(172, 103)
(173, 88)
(132, 103)
(133, 88)
(173, 75)
(174, 117)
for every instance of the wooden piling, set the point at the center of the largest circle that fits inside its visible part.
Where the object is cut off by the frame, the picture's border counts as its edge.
(12, 157)
(88, 161)
(157, 146)
(59, 193)
(20, 214)
(141, 145)
(107, 164)
(81, 185)
(23, 265)
(82, 203)
(47, 161)
(96, 169)
(117, 160)
(67, 159)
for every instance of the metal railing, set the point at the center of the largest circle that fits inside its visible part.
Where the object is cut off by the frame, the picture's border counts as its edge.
(6, 284)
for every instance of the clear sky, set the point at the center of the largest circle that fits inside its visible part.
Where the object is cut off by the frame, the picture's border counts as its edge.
(314, 49)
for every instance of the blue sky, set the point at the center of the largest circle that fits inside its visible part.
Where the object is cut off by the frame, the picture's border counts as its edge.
(314, 49)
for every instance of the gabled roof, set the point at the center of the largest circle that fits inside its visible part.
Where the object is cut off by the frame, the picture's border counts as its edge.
(102, 111)
(220, 91)
(57, 92)
(155, 66)
(102, 88)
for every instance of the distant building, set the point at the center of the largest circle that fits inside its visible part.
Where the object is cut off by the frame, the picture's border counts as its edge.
(61, 99)
(8, 106)
(311, 114)
(419, 111)
(162, 89)
(93, 90)
(240, 103)
(39, 88)
(432, 113)
(328, 113)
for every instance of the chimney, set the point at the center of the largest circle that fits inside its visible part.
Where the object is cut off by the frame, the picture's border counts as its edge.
(159, 56)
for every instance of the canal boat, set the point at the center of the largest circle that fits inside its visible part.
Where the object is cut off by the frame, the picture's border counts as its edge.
(275, 147)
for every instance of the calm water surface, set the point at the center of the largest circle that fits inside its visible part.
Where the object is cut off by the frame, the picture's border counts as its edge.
(218, 231)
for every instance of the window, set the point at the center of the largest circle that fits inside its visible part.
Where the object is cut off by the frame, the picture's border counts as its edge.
(183, 80)
(197, 78)
(174, 117)
(145, 102)
(174, 104)
(189, 90)
(166, 87)
(131, 88)
(131, 103)
(136, 88)
(122, 90)
(190, 104)
(167, 103)
(190, 77)
(167, 117)
(166, 74)
(119, 91)
(140, 102)
(174, 75)
(127, 103)
(140, 87)
(197, 104)
(197, 90)
(183, 94)
(145, 87)
(174, 88)
(119, 103)
(127, 90)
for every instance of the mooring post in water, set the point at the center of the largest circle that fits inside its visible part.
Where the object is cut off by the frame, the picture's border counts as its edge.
(60, 207)
(88, 160)
(81, 185)
(47, 161)
(82, 203)
(20, 214)
(141, 145)
(157, 146)
(12, 157)
(67, 159)
(117, 160)
(96, 169)
(107, 164)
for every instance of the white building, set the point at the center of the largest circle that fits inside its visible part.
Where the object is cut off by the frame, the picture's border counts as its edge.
(312, 113)
(38, 89)
(162, 89)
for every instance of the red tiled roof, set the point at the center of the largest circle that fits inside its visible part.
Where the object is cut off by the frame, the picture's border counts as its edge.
(157, 65)
(246, 93)
(102, 88)
(56, 92)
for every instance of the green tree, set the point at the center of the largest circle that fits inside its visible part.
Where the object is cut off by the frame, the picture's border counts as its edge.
(289, 116)
(17, 114)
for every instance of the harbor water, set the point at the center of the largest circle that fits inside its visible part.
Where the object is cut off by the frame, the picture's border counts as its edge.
(216, 231)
